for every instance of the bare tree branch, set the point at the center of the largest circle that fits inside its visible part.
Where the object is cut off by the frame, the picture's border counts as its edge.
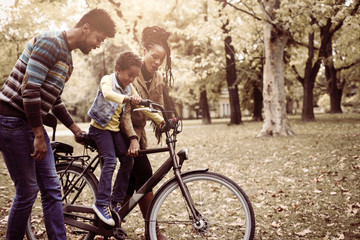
(298, 77)
(239, 9)
(293, 41)
(263, 7)
(276, 26)
(348, 66)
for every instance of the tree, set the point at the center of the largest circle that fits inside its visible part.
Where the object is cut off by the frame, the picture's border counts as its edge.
(275, 38)
(204, 106)
(252, 92)
(235, 111)
(335, 86)
(247, 39)
(250, 70)
(308, 81)
(325, 19)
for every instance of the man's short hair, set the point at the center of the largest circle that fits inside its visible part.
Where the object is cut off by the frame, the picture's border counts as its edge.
(99, 20)
(128, 59)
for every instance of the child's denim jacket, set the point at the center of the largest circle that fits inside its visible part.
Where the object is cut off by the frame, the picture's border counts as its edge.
(102, 110)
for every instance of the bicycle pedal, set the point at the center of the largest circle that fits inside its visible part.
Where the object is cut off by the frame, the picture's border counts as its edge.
(119, 233)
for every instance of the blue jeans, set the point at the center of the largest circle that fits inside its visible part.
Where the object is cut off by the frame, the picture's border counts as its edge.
(110, 145)
(28, 175)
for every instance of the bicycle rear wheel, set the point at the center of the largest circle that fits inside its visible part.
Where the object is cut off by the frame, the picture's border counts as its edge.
(223, 208)
(83, 193)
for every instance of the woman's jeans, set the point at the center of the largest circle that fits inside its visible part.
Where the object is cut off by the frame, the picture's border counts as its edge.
(30, 176)
(111, 144)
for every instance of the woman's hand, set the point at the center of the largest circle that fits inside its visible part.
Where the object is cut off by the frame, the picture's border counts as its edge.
(134, 148)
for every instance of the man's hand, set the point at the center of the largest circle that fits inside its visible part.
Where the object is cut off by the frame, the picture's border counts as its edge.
(40, 148)
(78, 133)
(134, 148)
(79, 137)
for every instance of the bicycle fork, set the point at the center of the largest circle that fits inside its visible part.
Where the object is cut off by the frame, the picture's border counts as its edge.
(185, 192)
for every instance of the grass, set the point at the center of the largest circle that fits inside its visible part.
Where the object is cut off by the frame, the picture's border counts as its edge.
(301, 187)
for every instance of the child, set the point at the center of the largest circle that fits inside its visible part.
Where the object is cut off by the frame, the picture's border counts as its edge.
(115, 91)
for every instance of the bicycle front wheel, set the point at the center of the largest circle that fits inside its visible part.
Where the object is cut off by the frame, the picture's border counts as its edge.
(224, 210)
(77, 188)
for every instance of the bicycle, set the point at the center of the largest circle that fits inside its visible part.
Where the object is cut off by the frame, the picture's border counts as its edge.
(192, 205)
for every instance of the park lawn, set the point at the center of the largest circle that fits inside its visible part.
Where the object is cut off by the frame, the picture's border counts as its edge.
(305, 186)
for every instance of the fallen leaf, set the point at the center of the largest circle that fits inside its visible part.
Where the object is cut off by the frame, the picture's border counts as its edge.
(304, 232)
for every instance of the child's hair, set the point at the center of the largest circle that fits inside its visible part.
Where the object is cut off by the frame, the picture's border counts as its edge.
(99, 20)
(158, 36)
(128, 59)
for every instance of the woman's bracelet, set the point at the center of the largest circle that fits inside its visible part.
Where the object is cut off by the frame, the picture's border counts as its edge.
(133, 137)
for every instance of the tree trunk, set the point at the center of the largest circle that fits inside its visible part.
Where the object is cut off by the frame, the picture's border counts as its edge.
(308, 82)
(204, 106)
(258, 104)
(235, 111)
(335, 91)
(289, 105)
(335, 97)
(275, 118)
(308, 106)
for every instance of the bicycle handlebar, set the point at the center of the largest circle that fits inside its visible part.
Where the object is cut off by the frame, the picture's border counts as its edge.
(151, 104)
(171, 123)
(145, 102)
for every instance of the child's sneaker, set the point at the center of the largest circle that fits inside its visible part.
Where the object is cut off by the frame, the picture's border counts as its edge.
(103, 212)
(116, 206)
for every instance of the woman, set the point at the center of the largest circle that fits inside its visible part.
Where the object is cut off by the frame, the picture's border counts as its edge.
(149, 85)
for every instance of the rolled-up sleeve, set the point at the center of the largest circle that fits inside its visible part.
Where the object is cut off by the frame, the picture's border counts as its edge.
(108, 92)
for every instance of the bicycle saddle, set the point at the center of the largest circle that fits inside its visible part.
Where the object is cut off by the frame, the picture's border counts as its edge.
(60, 147)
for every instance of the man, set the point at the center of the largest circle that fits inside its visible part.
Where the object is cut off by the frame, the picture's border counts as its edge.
(33, 89)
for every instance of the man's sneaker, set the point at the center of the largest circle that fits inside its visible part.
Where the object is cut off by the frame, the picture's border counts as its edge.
(103, 212)
(116, 206)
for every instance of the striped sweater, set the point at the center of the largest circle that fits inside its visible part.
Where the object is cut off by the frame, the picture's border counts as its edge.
(37, 80)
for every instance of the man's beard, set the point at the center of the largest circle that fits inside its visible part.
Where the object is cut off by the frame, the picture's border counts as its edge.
(84, 48)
